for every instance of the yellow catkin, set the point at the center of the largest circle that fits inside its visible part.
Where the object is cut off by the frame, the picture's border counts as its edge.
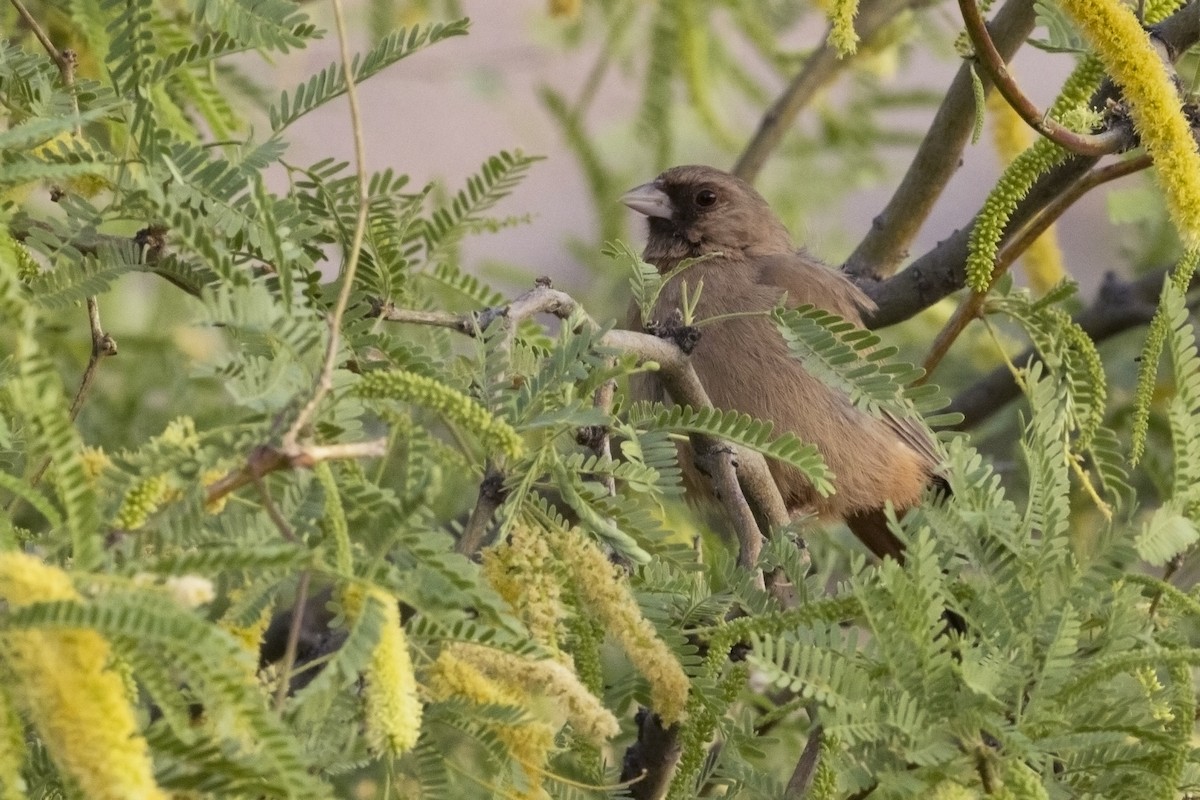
(606, 595)
(77, 703)
(530, 743)
(548, 678)
(1043, 260)
(842, 35)
(496, 434)
(393, 709)
(952, 790)
(523, 571)
(1126, 50)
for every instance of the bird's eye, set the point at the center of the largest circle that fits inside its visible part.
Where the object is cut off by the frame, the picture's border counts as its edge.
(705, 198)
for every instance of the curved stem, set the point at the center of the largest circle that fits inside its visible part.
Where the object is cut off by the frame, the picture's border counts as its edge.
(990, 59)
(324, 382)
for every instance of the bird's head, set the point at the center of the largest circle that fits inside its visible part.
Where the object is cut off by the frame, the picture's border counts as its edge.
(695, 210)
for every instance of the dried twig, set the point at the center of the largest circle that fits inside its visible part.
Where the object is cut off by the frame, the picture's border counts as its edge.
(264, 460)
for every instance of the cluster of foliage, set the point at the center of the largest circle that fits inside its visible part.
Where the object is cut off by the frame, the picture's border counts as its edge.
(342, 439)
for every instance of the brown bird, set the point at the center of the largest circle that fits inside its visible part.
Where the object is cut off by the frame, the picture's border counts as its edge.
(743, 361)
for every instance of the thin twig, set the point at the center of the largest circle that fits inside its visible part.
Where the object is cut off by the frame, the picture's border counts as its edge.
(971, 306)
(989, 57)
(441, 319)
(293, 640)
(324, 382)
(264, 492)
(41, 35)
(1119, 306)
(264, 460)
(103, 346)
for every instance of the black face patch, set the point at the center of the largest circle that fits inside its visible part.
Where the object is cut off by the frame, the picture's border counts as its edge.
(691, 202)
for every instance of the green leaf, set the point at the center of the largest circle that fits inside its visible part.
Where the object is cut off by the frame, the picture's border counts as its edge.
(330, 82)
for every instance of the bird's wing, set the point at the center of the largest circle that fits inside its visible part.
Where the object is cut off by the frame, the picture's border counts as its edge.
(917, 436)
(806, 280)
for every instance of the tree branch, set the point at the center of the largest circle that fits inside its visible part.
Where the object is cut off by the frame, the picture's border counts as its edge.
(819, 70)
(972, 304)
(721, 469)
(937, 158)
(806, 767)
(939, 272)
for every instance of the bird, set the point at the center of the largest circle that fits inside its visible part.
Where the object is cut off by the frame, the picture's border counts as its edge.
(748, 264)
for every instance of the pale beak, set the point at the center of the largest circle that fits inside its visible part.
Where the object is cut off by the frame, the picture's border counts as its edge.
(650, 200)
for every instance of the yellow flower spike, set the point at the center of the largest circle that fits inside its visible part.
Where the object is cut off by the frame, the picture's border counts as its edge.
(842, 35)
(1043, 260)
(529, 742)
(12, 749)
(393, 710)
(607, 595)
(190, 591)
(953, 790)
(548, 677)
(1126, 50)
(493, 432)
(180, 432)
(522, 571)
(63, 682)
